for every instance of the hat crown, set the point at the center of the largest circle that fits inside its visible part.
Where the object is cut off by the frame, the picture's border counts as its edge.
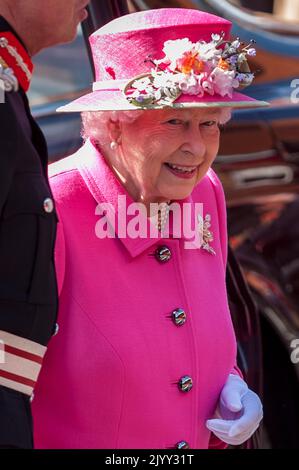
(121, 47)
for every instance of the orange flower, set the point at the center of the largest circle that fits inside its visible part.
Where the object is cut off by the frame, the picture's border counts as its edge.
(190, 62)
(222, 64)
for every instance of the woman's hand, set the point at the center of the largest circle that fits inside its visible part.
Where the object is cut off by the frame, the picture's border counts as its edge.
(238, 414)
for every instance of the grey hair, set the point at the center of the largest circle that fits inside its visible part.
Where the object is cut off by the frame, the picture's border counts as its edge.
(94, 123)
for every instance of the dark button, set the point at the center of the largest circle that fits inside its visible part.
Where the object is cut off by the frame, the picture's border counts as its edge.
(185, 383)
(179, 317)
(163, 254)
(182, 445)
(48, 205)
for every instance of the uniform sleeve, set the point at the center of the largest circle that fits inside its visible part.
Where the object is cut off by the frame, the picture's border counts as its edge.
(10, 142)
(15, 414)
(15, 420)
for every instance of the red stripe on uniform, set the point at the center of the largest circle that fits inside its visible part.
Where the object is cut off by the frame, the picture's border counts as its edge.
(24, 354)
(12, 61)
(17, 378)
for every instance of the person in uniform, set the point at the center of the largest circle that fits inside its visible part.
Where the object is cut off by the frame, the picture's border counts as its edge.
(146, 351)
(28, 288)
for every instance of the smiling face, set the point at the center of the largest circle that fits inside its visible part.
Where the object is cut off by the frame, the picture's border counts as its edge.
(164, 153)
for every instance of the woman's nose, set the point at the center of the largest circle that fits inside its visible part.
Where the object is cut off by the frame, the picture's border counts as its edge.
(194, 144)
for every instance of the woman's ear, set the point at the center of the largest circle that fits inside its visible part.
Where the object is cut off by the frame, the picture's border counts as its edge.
(114, 131)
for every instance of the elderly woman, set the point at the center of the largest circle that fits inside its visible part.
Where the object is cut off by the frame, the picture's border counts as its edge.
(145, 356)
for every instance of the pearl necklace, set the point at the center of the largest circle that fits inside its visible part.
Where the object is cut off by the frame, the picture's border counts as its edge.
(163, 213)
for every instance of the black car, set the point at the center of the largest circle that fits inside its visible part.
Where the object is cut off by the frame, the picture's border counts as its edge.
(258, 164)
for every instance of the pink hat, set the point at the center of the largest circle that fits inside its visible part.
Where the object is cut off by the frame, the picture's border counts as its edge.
(167, 57)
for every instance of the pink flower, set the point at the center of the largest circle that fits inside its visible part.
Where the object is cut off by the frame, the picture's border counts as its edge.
(207, 84)
(224, 81)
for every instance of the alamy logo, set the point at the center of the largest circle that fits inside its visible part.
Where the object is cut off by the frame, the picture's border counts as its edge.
(131, 221)
(295, 93)
(295, 354)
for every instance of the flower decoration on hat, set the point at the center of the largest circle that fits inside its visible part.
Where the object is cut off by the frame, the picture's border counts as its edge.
(215, 67)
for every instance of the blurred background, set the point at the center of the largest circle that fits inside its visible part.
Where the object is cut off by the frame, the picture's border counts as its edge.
(258, 164)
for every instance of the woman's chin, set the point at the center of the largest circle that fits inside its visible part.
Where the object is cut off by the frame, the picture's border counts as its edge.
(178, 195)
(180, 191)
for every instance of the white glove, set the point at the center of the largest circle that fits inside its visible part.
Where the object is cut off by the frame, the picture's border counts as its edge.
(238, 414)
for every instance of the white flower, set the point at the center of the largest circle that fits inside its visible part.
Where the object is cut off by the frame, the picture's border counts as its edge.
(141, 84)
(224, 81)
(215, 37)
(235, 44)
(173, 50)
(158, 95)
(251, 52)
(190, 84)
(163, 79)
(165, 85)
(208, 51)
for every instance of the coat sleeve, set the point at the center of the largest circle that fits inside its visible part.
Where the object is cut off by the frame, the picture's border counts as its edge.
(215, 442)
(221, 211)
(222, 221)
(59, 252)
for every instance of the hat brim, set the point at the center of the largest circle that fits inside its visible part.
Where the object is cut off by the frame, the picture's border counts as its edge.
(114, 100)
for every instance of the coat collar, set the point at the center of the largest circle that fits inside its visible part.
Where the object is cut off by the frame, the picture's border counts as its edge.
(105, 187)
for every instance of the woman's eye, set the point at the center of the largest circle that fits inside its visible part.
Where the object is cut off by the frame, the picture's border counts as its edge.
(175, 122)
(210, 123)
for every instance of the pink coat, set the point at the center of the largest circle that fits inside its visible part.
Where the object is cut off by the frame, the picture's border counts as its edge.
(110, 376)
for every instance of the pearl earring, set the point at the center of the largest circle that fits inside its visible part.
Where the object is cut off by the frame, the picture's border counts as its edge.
(113, 145)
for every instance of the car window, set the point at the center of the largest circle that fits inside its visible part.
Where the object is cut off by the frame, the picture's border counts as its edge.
(61, 73)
